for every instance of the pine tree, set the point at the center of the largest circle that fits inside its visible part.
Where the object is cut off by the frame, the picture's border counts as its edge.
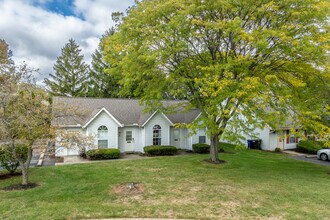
(5, 53)
(102, 84)
(71, 73)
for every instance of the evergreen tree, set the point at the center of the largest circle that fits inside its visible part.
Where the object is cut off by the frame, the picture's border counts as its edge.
(71, 73)
(5, 53)
(102, 84)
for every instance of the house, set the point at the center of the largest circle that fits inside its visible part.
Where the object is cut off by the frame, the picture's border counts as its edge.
(282, 138)
(123, 124)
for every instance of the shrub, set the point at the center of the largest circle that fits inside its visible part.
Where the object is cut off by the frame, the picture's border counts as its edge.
(201, 148)
(155, 150)
(103, 154)
(7, 159)
(310, 147)
(278, 150)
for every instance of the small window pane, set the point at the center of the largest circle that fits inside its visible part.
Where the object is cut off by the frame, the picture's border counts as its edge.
(103, 144)
(128, 136)
(202, 139)
(176, 134)
(292, 140)
(156, 135)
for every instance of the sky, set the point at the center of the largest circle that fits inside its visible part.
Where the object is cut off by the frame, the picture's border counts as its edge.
(37, 30)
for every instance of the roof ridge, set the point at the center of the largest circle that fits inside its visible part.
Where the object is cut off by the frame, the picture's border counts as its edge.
(134, 99)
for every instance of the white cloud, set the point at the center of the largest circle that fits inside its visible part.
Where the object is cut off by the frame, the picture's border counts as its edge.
(37, 35)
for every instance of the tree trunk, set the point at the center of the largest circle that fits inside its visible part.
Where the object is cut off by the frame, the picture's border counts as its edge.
(25, 175)
(25, 167)
(214, 148)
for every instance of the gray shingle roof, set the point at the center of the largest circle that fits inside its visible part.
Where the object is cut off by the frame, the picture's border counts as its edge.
(69, 111)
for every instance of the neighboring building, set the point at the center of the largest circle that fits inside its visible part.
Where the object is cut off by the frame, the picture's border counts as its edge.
(123, 124)
(281, 138)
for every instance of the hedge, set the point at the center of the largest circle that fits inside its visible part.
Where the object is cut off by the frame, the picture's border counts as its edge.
(310, 147)
(156, 150)
(103, 154)
(201, 148)
(7, 159)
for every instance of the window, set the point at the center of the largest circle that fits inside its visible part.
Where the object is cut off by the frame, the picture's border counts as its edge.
(201, 136)
(202, 139)
(129, 136)
(290, 138)
(102, 135)
(156, 140)
(176, 134)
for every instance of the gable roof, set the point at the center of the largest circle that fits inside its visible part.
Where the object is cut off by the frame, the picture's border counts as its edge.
(74, 111)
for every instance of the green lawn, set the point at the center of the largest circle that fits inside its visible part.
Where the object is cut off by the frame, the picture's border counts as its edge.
(251, 185)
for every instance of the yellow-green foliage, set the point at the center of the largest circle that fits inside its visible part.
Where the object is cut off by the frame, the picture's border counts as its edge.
(264, 60)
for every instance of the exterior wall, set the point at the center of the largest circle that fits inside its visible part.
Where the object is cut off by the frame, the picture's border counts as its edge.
(273, 141)
(157, 119)
(286, 145)
(62, 151)
(104, 119)
(135, 145)
(181, 143)
(194, 138)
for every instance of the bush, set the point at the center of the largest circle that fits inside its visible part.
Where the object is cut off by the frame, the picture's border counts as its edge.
(278, 150)
(310, 147)
(7, 159)
(155, 150)
(201, 148)
(103, 154)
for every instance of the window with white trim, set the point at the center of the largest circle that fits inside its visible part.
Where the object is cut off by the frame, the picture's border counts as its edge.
(176, 134)
(291, 138)
(129, 136)
(201, 136)
(102, 136)
(157, 135)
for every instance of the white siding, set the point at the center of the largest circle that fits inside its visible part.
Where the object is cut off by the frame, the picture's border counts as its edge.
(182, 138)
(62, 151)
(136, 142)
(158, 119)
(104, 119)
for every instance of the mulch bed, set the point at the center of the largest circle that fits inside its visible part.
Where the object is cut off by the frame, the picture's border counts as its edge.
(20, 187)
(4, 176)
(212, 162)
(128, 189)
(59, 159)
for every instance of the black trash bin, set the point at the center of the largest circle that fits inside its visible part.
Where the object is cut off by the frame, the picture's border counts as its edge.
(249, 144)
(254, 144)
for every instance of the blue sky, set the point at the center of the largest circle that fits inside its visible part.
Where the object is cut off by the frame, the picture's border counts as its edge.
(63, 7)
(36, 30)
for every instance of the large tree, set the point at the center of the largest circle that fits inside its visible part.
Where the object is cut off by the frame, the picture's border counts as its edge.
(71, 73)
(102, 84)
(242, 63)
(24, 113)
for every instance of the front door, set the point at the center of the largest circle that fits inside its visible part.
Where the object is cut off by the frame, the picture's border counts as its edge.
(176, 137)
(129, 141)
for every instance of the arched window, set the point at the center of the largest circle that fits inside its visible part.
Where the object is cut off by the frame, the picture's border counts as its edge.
(157, 138)
(102, 136)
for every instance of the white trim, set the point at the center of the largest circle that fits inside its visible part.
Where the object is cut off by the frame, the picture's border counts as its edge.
(198, 116)
(68, 126)
(99, 112)
(171, 123)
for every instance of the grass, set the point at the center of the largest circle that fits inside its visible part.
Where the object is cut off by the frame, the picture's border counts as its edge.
(251, 185)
